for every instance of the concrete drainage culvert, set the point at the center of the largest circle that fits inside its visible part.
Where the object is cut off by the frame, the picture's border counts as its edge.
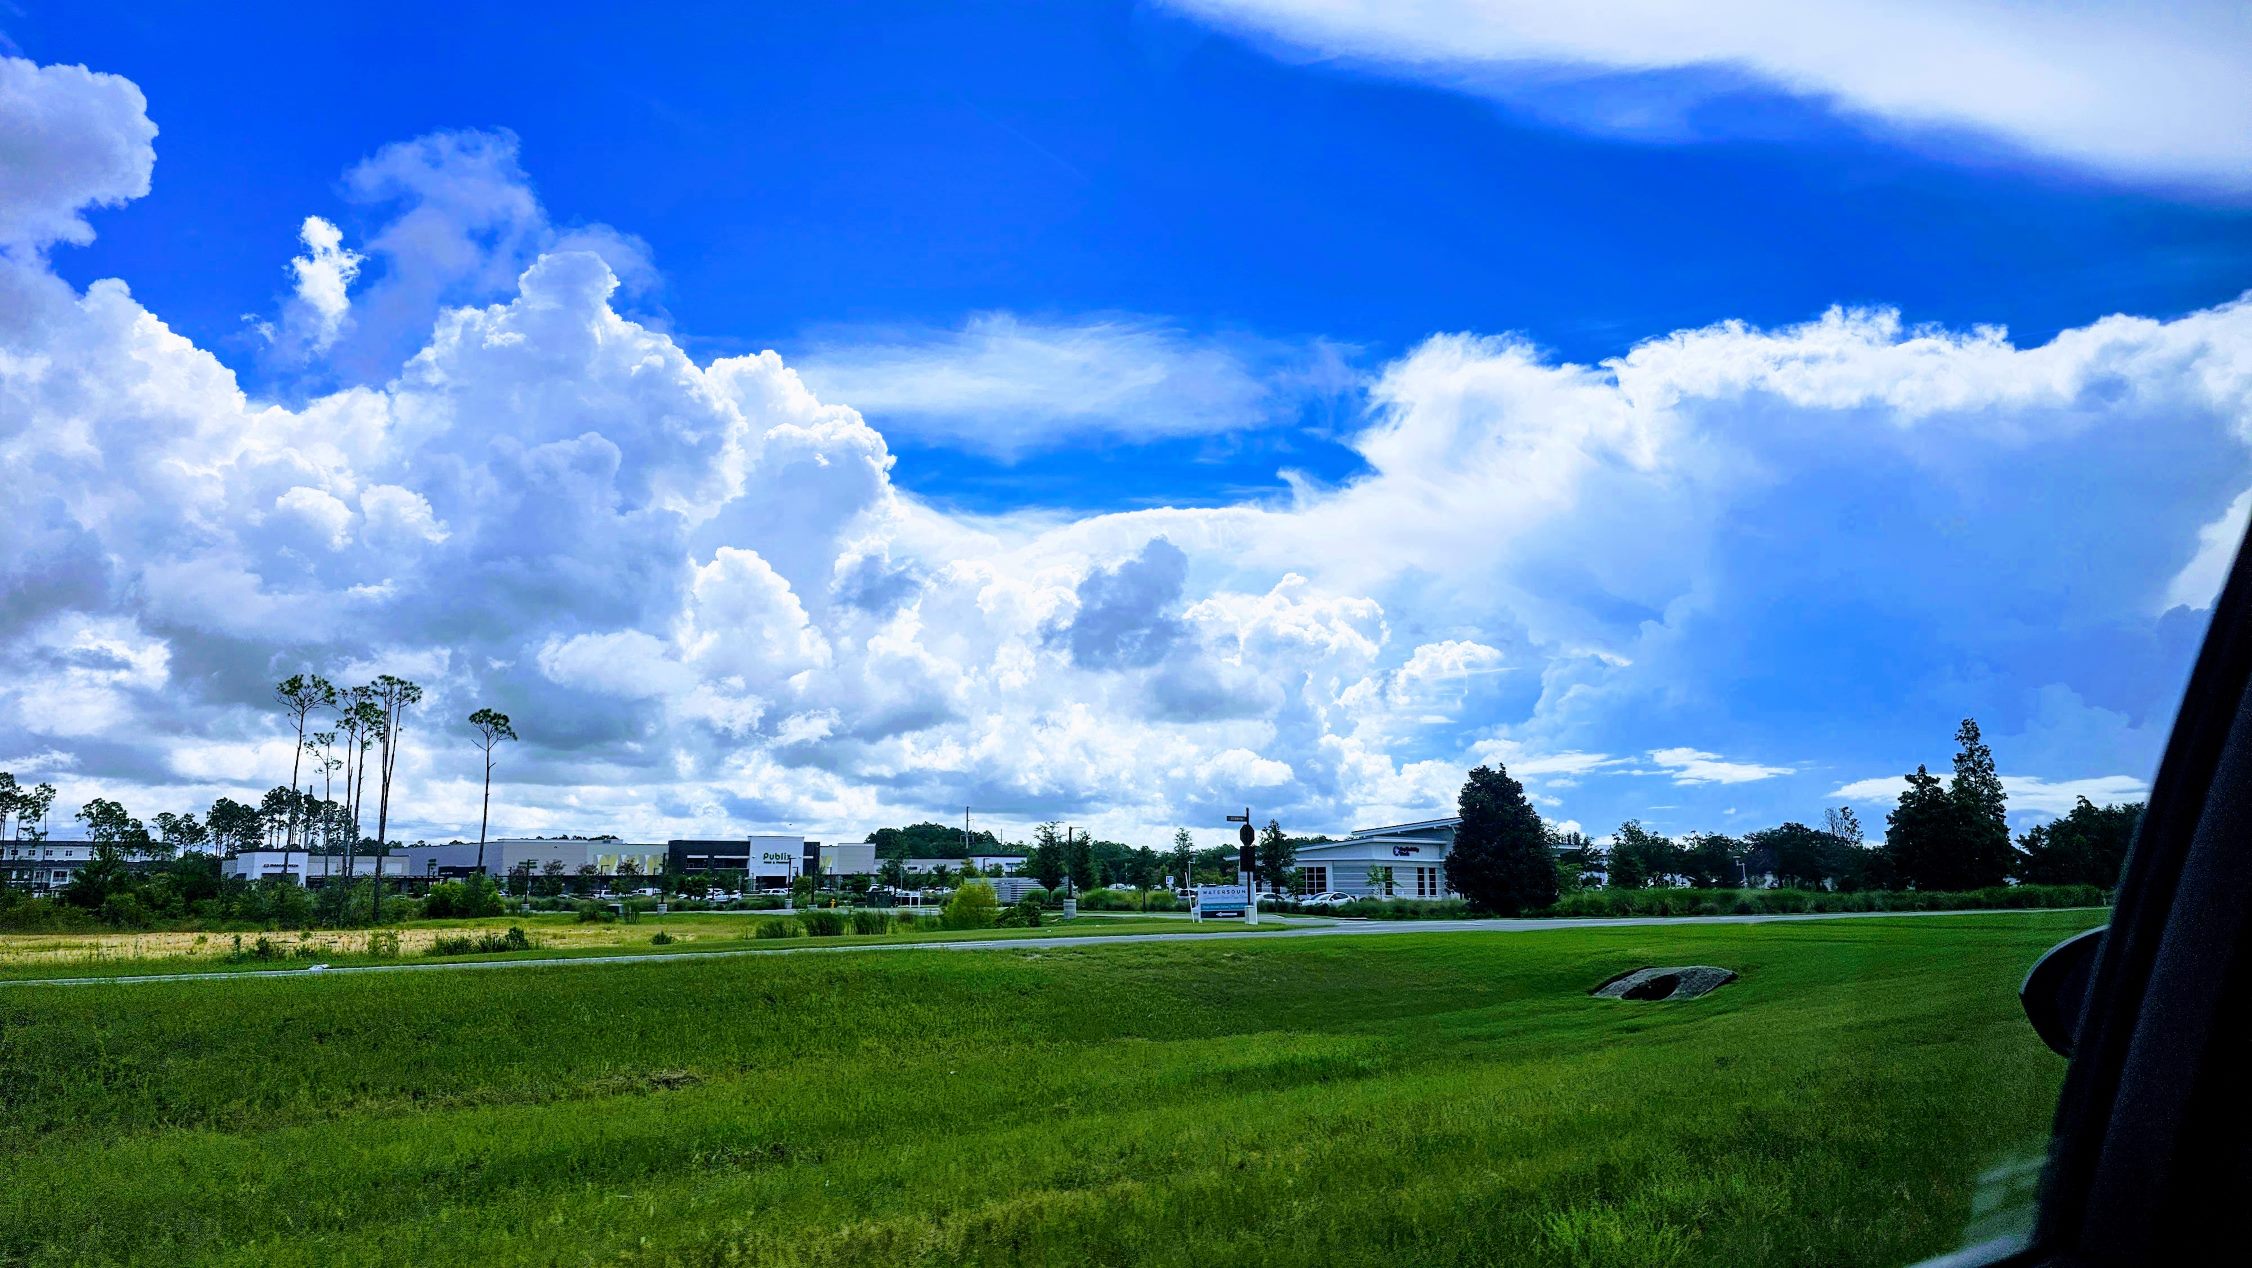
(1682, 982)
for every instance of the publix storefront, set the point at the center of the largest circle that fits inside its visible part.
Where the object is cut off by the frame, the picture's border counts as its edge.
(1404, 860)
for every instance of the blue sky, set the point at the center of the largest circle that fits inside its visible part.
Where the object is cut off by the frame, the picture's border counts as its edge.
(1074, 263)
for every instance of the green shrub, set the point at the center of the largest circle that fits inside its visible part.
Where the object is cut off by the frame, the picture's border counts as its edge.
(1106, 900)
(124, 911)
(1038, 895)
(662, 939)
(263, 949)
(1160, 900)
(1403, 908)
(777, 929)
(383, 944)
(453, 900)
(594, 913)
(481, 944)
(972, 906)
(867, 921)
(45, 915)
(823, 922)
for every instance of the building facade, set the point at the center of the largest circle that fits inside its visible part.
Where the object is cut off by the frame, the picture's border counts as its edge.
(608, 856)
(767, 861)
(314, 869)
(41, 868)
(848, 859)
(1401, 860)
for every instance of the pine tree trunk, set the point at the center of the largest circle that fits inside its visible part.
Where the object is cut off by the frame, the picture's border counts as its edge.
(485, 816)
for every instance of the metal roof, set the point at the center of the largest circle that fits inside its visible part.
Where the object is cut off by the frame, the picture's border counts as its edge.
(1450, 822)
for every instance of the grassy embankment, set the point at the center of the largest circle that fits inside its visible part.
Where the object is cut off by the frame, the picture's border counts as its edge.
(1392, 1099)
(29, 956)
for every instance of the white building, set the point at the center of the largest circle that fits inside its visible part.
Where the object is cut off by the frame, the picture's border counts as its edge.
(313, 869)
(848, 858)
(1401, 860)
(608, 857)
(42, 867)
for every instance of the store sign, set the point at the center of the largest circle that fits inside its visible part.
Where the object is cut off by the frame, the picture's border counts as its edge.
(1211, 898)
(1403, 851)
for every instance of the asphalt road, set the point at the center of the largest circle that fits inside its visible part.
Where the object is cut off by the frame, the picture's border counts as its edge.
(1333, 929)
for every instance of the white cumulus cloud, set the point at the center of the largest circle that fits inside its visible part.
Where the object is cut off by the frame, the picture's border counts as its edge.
(698, 590)
(70, 138)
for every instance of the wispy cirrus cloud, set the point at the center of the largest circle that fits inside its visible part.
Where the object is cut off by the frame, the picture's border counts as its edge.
(1693, 766)
(1005, 384)
(2133, 90)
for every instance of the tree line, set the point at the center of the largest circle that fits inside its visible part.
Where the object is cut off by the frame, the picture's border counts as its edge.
(341, 729)
(1942, 835)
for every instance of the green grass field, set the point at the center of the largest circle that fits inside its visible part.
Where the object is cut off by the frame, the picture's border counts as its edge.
(1400, 1099)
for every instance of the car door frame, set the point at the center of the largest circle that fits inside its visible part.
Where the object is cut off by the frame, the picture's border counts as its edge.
(2153, 1094)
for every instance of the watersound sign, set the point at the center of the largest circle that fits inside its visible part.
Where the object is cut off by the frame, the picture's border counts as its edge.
(1221, 900)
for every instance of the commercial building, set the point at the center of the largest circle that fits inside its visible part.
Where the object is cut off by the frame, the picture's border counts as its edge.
(848, 859)
(314, 869)
(1401, 860)
(767, 861)
(569, 856)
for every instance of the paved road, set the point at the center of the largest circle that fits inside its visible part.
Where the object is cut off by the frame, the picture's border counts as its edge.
(1332, 929)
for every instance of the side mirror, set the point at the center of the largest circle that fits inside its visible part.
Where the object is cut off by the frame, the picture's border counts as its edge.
(2057, 988)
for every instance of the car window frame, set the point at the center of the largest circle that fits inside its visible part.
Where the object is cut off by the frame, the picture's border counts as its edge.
(2151, 1093)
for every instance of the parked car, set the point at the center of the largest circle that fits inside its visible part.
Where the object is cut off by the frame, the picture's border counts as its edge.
(1327, 898)
(1269, 898)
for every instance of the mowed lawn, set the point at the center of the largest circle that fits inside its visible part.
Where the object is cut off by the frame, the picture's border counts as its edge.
(1411, 1099)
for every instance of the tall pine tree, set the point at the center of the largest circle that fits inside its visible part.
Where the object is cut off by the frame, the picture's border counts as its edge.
(1500, 860)
(1981, 812)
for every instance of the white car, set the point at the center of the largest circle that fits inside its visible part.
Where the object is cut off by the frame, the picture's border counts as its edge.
(1327, 898)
